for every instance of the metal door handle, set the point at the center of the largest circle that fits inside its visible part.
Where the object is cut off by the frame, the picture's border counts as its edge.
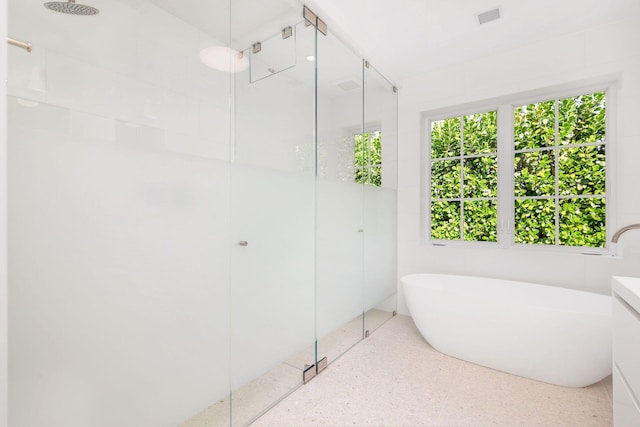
(243, 243)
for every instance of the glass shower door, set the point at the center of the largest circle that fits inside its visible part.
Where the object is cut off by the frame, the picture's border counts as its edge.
(339, 200)
(380, 223)
(272, 213)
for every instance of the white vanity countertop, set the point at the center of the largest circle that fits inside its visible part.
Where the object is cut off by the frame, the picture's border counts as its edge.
(629, 289)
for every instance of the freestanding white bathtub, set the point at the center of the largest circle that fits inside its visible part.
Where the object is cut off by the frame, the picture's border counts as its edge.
(556, 335)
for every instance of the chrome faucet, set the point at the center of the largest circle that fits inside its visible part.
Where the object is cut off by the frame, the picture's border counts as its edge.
(619, 233)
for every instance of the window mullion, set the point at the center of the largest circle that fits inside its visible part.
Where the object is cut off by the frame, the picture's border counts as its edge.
(369, 143)
(462, 178)
(506, 191)
(556, 163)
(609, 155)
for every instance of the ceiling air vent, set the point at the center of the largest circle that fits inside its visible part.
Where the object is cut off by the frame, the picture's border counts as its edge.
(348, 85)
(489, 15)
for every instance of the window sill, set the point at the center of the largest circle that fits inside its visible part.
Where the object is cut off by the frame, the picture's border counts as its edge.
(610, 252)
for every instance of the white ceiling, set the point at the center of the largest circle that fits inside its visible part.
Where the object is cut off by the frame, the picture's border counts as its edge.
(404, 38)
(401, 38)
(247, 21)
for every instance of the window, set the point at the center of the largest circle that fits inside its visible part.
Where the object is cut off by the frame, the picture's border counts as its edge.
(368, 158)
(554, 192)
(464, 183)
(559, 172)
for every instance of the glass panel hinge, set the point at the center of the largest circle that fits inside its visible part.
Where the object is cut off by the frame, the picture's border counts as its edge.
(310, 371)
(313, 19)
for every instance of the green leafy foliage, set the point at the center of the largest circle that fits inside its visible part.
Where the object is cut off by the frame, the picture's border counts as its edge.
(534, 125)
(445, 220)
(481, 220)
(582, 170)
(480, 177)
(445, 138)
(582, 222)
(535, 221)
(582, 119)
(360, 149)
(375, 176)
(533, 173)
(445, 179)
(481, 133)
(368, 158)
(375, 148)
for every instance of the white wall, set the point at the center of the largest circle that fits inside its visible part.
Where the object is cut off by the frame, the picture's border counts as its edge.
(606, 50)
(3, 220)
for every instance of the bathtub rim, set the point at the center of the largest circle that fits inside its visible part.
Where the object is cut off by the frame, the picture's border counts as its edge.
(603, 309)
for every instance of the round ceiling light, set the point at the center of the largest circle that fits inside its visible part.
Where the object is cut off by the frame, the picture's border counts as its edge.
(225, 59)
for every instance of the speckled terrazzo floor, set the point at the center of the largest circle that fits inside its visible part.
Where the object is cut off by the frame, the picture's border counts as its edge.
(394, 378)
(261, 393)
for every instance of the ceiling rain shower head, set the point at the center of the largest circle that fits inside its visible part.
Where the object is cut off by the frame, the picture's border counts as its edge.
(71, 7)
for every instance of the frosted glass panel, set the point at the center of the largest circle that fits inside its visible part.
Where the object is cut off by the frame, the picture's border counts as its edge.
(379, 255)
(271, 210)
(118, 296)
(339, 258)
(118, 217)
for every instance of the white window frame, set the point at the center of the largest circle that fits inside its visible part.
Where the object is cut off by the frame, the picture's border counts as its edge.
(506, 195)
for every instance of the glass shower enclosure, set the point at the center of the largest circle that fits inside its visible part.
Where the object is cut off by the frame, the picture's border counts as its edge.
(202, 209)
